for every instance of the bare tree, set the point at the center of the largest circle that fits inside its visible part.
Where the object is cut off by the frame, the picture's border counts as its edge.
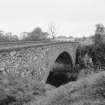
(52, 30)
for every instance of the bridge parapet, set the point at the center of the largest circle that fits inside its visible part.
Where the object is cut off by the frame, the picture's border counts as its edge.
(32, 60)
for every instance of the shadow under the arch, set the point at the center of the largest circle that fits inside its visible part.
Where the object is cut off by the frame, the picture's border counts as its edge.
(62, 71)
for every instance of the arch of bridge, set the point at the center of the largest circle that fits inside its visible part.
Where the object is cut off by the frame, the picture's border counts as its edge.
(53, 54)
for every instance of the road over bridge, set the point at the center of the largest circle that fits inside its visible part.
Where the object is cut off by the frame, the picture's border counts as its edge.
(37, 60)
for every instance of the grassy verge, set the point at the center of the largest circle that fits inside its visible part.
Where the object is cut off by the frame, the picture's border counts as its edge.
(85, 91)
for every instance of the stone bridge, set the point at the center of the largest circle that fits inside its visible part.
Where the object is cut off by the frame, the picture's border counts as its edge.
(37, 60)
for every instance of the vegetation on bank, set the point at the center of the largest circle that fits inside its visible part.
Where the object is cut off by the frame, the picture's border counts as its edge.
(19, 91)
(89, 90)
(93, 56)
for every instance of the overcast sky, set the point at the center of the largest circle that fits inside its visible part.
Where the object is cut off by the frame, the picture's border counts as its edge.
(72, 17)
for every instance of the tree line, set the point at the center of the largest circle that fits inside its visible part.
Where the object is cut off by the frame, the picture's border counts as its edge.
(35, 35)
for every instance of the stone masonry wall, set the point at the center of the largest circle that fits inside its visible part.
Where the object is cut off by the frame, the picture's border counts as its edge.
(26, 62)
(33, 62)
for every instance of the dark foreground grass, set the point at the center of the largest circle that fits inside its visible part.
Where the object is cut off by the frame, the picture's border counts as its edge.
(88, 90)
(19, 91)
(85, 91)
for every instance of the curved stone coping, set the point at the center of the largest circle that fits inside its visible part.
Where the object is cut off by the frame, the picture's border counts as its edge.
(27, 45)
